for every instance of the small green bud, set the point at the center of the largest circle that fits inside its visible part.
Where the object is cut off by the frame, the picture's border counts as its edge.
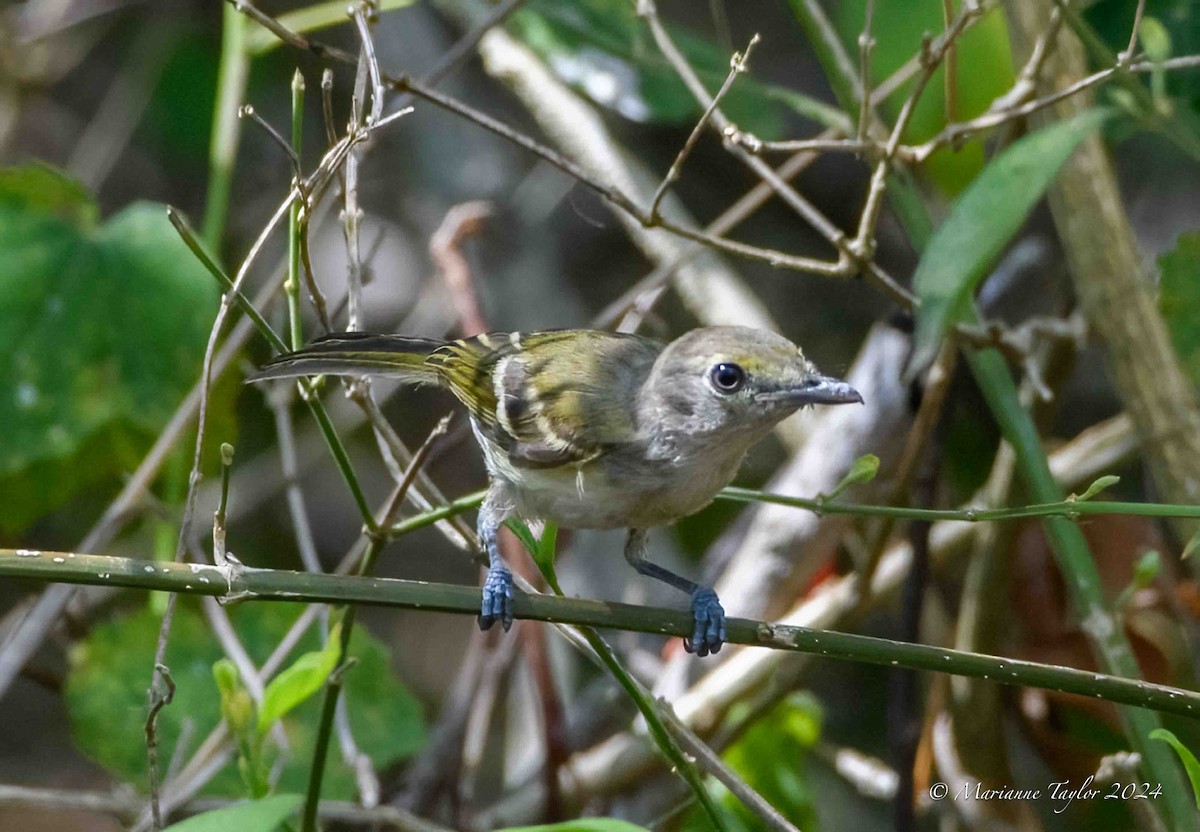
(1156, 40)
(226, 454)
(237, 708)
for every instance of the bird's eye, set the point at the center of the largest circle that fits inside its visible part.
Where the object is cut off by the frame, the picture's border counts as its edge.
(728, 378)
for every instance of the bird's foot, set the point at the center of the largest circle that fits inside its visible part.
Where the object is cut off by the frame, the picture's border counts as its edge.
(497, 599)
(709, 633)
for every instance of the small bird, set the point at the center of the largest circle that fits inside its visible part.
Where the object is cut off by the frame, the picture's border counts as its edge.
(597, 430)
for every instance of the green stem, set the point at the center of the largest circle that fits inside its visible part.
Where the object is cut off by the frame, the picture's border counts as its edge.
(645, 704)
(437, 515)
(1062, 508)
(223, 144)
(308, 393)
(244, 583)
(316, 771)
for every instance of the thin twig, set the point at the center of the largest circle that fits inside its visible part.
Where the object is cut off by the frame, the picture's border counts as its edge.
(248, 111)
(368, 52)
(1125, 57)
(737, 65)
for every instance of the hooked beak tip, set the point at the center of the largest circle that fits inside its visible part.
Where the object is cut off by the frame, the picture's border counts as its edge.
(822, 390)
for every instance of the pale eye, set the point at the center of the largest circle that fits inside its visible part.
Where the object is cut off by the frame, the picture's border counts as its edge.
(728, 378)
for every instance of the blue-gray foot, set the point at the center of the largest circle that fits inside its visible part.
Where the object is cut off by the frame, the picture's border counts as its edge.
(497, 599)
(709, 633)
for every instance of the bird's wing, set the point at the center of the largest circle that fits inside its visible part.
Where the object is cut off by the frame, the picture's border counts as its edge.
(550, 398)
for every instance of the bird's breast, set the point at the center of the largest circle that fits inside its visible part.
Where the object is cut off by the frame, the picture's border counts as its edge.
(623, 488)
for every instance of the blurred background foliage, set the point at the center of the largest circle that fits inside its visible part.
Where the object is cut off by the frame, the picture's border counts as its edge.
(106, 114)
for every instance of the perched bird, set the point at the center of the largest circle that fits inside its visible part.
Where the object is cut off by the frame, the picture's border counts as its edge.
(596, 430)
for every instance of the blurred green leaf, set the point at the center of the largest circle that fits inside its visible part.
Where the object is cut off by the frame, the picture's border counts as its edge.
(102, 329)
(297, 682)
(581, 825)
(237, 708)
(1146, 570)
(264, 815)
(1156, 40)
(981, 223)
(109, 671)
(1190, 764)
(770, 757)
(1191, 547)
(1179, 300)
(985, 72)
(41, 189)
(604, 50)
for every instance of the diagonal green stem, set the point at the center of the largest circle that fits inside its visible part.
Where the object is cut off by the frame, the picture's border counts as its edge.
(1103, 630)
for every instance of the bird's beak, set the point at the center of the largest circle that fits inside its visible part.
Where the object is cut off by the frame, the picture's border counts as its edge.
(816, 390)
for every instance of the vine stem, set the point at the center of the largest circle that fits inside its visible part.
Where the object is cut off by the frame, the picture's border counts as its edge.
(241, 583)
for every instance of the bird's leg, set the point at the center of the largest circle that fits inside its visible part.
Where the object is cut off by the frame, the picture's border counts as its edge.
(498, 585)
(709, 633)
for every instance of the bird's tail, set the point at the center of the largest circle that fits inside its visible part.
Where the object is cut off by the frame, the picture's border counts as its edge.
(359, 354)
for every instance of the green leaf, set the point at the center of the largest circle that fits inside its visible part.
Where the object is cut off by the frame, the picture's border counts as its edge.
(42, 189)
(1190, 764)
(523, 533)
(772, 757)
(985, 71)
(297, 682)
(102, 330)
(1191, 547)
(264, 815)
(237, 708)
(1146, 570)
(980, 225)
(605, 51)
(1156, 40)
(1179, 300)
(541, 549)
(861, 470)
(543, 554)
(1107, 481)
(109, 670)
(581, 825)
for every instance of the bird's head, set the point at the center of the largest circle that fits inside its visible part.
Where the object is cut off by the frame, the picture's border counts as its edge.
(735, 381)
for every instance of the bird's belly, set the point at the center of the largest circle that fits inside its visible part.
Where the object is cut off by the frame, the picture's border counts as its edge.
(598, 497)
(614, 491)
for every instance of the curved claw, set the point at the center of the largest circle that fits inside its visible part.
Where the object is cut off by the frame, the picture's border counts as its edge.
(709, 633)
(497, 599)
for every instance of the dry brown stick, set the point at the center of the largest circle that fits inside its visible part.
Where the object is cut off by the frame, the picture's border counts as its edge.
(461, 221)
